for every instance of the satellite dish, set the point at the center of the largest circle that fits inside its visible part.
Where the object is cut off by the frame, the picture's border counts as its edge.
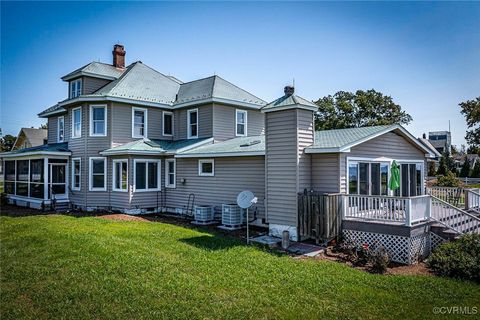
(245, 199)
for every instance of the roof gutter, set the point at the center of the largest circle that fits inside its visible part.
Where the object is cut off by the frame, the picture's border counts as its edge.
(218, 100)
(35, 153)
(221, 154)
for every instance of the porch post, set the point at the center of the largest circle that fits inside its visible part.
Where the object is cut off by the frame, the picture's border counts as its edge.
(408, 213)
(45, 178)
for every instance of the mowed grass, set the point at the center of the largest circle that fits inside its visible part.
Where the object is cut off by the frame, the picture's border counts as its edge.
(60, 267)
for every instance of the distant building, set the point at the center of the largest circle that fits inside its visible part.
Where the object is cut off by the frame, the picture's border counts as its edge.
(441, 140)
(30, 137)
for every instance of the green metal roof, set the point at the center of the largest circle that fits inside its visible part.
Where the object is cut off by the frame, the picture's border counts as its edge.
(154, 146)
(343, 138)
(234, 147)
(94, 68)
(289, 101)
(51, 147)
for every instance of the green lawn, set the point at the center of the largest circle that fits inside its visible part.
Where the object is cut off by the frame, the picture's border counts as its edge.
(81, 268)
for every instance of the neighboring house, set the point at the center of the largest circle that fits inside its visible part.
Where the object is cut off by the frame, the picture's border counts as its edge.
(461, 158)
(441, 140)
(30, 137)
(134, 140)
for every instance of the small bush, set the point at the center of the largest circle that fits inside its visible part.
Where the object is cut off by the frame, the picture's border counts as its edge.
(448, 180)
(379, 260)
(458, 259)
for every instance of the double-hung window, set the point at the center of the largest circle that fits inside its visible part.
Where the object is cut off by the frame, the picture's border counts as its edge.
(76, 173)
(192, 123)
(170, 173)
(98, 170)
(147, 175)
(75, 88)
(240, 123)
(139, 122)
(77, 122)
(206, 167)
(61, 129)
(167, 123)
(98, 120)
(120, 175)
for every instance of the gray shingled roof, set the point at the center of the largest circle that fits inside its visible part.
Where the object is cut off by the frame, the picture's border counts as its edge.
(96, 69)
(215, 87)
(244, 145)
(140, 82)
(35, 136)
(287, 101)
(155, 146)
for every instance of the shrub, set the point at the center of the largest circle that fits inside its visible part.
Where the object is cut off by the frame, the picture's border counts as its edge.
(379, 260)
(448, 180)
(458, 259)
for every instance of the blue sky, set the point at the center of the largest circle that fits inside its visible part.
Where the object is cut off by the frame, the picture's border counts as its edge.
(425, 55)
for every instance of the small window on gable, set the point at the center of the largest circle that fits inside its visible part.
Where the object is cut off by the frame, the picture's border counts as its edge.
(192, 123)
(61, 129)
(206, 167)
(75, 88)
(241, 123)
(167, 123)
(139, 123)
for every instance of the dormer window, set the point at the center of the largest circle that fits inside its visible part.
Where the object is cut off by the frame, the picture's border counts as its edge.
(75, 88)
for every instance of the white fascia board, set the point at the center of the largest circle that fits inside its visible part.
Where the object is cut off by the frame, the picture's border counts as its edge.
(87, 74)
(293, 106)
(220, 154)
(218, 100)
(51, 113)
(36, 153)
(114, 99)
(133, 152)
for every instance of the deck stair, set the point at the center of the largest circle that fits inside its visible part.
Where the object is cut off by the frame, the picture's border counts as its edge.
(453, 219)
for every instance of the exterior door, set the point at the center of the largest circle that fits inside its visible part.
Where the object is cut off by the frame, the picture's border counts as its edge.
(58, 181)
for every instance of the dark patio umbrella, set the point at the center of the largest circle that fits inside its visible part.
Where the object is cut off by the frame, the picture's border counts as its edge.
(394, 176)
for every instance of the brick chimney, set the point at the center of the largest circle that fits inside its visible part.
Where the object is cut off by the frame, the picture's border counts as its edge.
(118, 56)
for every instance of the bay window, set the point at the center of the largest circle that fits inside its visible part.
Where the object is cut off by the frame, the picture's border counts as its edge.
(240, 123)
(139, 123)
(76, 173)
(77, 122)
(170, 173)
(98, 170)
(98, 120)
(61, 129)
(120, 175)
(147, 175)
(192, 123)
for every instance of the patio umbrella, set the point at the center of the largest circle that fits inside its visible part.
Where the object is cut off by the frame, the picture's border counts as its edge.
(394, 176)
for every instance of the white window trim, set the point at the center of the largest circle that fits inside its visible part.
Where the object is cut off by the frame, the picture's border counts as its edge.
(188, 123)
(167, 184)
(114, 175)
(104, 134)
(73, 123)
(164, 113)
(90, 174)
(73, 174)
(236, 122)
(206, 174)
(159, 175)
(145, 130)
(58, 128)
(78, 85)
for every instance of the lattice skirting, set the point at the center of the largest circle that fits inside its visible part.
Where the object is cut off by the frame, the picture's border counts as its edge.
(435, 240)
(406, 250)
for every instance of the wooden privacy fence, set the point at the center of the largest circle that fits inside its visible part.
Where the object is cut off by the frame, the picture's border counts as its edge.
(319, 216)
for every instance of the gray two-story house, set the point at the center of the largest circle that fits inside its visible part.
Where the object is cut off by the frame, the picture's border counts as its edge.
(131, 139)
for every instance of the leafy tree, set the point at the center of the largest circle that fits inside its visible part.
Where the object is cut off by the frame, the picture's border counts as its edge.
(465, 171)
(476, 170)
(471, 111)
(431, 169)
(43, 126)
(362, 108)
(6, 143)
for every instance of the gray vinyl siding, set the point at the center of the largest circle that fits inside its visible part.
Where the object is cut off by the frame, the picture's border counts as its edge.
(90, 84)
(52, 129)
(232, 175)
(224, 122)
(122, 123)
(305, 139)
(205, 118)
(390, 145)
(281, 167)
(326, 172)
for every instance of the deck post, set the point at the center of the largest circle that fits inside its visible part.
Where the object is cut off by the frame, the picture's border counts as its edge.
(408, 213)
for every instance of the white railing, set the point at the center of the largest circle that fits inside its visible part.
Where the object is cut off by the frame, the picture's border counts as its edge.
(454, 196)
(453, 217)
(473, 200)
(383, 208)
